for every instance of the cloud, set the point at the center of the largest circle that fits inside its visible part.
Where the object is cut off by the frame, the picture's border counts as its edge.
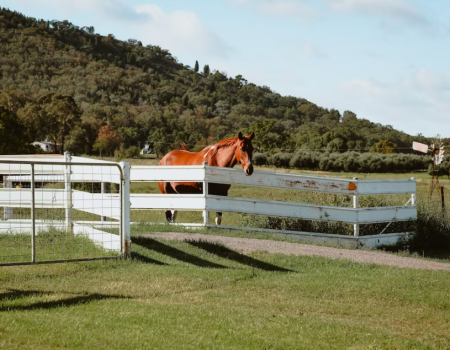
(424, 80)
(181, 32)
(419, 103)
(310, 51)
(397, 10)
(391, 9)
(280, 8)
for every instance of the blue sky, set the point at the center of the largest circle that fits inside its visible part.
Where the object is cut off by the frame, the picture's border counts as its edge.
(385, 60)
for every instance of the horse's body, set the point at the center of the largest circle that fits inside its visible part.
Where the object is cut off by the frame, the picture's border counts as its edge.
(226, 153)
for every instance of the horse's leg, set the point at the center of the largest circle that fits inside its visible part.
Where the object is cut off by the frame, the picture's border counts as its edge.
(218, 190)
(164, 188)
(174, 215)
(218, 218)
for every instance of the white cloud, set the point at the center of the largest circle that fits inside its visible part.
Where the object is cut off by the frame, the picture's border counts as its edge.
(311, 51)
(419, 103)
(391, 9)
(181, 32)
(397, 10)
(425, 80)
(280, 8)
(286, 8)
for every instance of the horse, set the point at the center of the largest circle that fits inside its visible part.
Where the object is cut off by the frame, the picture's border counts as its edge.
(225, 153)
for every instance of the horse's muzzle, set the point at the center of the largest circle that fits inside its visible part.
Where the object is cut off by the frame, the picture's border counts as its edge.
(249, 170)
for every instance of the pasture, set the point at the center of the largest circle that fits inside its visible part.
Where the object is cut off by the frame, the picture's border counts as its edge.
(178, 295)
(199, 295)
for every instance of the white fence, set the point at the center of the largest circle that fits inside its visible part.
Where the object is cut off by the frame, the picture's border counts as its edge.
(354, 187)
(114, 208)
(39, 193)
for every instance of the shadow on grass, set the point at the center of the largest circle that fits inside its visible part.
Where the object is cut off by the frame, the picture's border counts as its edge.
(145, 259)
(178, 254)
(72, 301)
(226, 253)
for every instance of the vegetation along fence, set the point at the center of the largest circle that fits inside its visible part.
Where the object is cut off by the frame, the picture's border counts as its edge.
(351, 215)
(58, 208)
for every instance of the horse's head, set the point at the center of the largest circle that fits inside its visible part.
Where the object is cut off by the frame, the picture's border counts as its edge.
(244, 152)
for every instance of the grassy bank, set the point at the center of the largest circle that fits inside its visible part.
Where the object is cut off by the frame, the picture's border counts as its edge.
(194, 296)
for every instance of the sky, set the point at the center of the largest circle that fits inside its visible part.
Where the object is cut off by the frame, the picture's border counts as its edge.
(385, 60)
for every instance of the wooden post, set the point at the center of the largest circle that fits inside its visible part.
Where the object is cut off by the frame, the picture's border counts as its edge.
(442, 200)
(205, 194)
(355, 205)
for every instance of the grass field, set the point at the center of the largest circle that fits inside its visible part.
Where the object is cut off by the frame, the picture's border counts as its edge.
(178, 295)
(198, 295)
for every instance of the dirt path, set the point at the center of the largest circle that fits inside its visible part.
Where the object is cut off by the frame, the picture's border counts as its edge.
(248, 245)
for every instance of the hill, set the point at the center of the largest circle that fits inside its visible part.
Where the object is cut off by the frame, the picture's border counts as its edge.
(129, 92)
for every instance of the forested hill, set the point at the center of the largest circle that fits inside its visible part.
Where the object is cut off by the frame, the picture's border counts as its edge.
(70, 85)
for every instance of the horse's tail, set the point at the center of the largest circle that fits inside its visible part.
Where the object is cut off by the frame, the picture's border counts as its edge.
(183, 147)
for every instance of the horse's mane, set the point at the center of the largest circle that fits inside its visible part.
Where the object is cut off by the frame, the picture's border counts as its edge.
(224, 143)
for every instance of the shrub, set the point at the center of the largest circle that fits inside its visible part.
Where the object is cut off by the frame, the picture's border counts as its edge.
(132, 152)
(259, 159)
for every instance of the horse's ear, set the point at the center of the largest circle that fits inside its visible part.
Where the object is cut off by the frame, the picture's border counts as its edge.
(240, 136)
(252, 136)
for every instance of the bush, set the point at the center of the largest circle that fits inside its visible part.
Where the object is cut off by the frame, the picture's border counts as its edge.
(350, 161)
(259, 159)
(280, 160)
(132, 152)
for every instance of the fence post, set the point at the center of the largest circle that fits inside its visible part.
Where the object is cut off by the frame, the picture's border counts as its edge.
(443, 200)
(103, 191)
(205, 194)
(125, 220)
(355, 205)
(68, 191)
(413, 195)
(33, 216)
(7, 211)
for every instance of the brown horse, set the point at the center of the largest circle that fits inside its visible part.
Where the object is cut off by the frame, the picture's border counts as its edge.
(226, 153)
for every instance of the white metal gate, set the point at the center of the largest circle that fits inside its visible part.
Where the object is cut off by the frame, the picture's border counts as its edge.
(56, 209)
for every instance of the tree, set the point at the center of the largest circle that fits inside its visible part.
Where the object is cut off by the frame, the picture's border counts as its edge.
(206, 70)
(12, 134)
(384, 146)
(107, 140)
(196, 67)
(52, 116)
(348, 116)
(12, 100)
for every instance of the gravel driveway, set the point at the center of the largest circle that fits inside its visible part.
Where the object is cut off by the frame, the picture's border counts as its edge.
(248, 245)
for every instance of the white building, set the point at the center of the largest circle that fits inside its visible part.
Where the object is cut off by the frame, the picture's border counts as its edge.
(45, 145)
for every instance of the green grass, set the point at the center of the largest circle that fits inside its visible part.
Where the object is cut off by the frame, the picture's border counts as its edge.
(197, 295)
(51, 244)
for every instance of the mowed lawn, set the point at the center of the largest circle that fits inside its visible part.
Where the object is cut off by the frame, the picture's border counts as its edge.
(197, 295)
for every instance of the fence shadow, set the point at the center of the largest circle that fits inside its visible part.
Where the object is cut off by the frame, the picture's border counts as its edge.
(175, 253)
(226, 253)
(71, 301)
(145, 259)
